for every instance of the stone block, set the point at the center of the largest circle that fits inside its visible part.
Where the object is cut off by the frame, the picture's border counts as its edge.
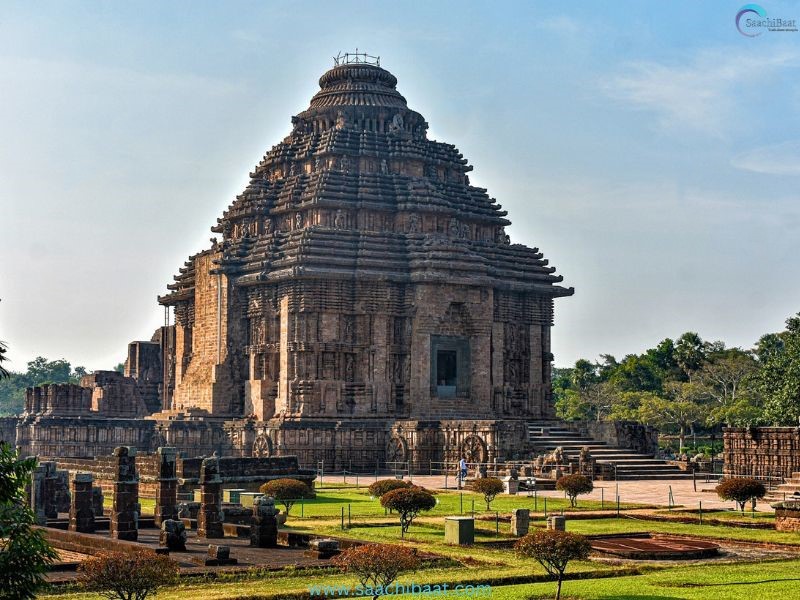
(219, 556)
(520, 521)
(173, 535)
(459, 530)
(322, 548)
(557, 523)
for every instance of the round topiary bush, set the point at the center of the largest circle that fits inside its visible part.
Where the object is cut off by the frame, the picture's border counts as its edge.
(740, 490)
(408, 503)
(286, 491)
(127, 575)
(574, 485)
(488, 487)
(553, 550)
(383, 486)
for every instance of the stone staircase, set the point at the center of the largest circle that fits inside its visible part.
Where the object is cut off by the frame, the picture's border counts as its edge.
(546, 436)
(787, 489)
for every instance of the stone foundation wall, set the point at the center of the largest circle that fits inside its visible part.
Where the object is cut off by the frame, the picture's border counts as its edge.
(787, 516)
(84, 436)
(761, 451)
(620, 434)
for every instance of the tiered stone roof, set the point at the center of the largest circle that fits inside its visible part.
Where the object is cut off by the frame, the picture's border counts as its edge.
(358, 190)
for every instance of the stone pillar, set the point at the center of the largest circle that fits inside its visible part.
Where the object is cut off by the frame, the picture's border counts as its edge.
(557, 523)
(209, 524)
(124, 514)
(50, 489)
(264, 528)
(38, 498)
(520, 521)
(81, 512)
(167, 486)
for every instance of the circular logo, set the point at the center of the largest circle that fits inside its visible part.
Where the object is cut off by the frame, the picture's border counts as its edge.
(749, 8)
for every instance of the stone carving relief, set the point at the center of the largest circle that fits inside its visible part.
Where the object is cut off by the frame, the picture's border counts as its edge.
(396, 124)
(473, 448)
(339, 219)
(262, 447)
(413, 223)
(396, 450)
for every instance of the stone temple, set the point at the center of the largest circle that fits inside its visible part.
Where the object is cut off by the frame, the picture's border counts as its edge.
(361, 305)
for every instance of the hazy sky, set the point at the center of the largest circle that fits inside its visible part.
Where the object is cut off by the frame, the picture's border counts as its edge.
(650, 150)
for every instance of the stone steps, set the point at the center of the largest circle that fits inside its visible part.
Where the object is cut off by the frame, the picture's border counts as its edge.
(546, 436)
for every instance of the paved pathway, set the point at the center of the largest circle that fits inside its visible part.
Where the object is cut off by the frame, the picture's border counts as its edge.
(639, 492)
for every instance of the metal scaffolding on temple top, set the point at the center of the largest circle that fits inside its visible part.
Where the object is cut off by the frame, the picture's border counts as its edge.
(356, 58)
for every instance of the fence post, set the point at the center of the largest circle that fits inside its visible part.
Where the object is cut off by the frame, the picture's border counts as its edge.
(349, 522)
(701, 512)
(461, 502)
(497, 523)
(343, 518)
(473, 507)
(535, 500)
(302, 505)
(602, 498)
(545, 507)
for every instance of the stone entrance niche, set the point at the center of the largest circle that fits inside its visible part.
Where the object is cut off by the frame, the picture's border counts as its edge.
(450, 366)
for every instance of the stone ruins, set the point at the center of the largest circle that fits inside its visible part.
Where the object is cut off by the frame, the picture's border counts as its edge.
(361, 305)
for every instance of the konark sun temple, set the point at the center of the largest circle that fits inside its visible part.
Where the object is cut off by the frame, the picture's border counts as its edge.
(361, 305)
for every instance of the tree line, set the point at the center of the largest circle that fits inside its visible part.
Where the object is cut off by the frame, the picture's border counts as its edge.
(689, 384)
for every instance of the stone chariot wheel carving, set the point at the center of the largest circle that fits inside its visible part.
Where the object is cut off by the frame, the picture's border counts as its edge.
(262, 447)
(473, 448)
(396, 450)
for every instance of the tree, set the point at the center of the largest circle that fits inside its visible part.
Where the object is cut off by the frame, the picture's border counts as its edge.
(740, 490)
(681, 411)
(488, 487)
(690, 353)
(408, 503)
(726, 380)
(574, 485)
(599, 399)
(553, 550)
(383, 486)
(778, 379)
(24, 551)
(287, 491)
(376, 566)
(637, 374)
(3, 358)
(127, 576)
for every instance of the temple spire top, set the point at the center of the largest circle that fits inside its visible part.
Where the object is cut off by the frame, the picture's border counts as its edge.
(356, 58)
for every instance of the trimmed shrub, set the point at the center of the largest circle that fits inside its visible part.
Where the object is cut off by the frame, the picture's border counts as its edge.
(376, 566)
(408, 503)
(553, 550)
(488, 487)
(127, 576)
(286, 491)
(740, 490)
(382, 486)
(574, 485)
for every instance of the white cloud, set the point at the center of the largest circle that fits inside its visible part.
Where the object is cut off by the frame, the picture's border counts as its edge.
(699, 94)
(776, 159)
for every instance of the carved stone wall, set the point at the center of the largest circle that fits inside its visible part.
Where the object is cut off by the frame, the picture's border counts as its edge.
(761, 451)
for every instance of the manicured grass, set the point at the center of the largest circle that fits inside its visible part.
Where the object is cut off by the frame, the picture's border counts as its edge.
(762, 581)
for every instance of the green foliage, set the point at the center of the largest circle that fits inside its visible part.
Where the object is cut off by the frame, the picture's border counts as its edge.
(286, 491)
(778, 379)
(383, 486)
(740, 490)
(488, 487)
(24, 552)
(40, 371)
(127, 576)
(408, 503)
(574, 485)
(553, 550)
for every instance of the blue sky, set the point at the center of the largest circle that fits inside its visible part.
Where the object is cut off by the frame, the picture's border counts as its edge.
(648, 149)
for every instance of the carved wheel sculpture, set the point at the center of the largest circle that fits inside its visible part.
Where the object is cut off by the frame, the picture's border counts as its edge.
(262, 447)
(396, 450)
(473, 448)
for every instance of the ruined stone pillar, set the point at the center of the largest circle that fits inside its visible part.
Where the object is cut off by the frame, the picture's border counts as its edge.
(50, 489)
(81, 511)
(167, 486)
(124, 514)
(264, 528)
(209, 524)
(38, 497)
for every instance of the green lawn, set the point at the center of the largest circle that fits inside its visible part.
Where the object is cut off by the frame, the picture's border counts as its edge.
(756, 581)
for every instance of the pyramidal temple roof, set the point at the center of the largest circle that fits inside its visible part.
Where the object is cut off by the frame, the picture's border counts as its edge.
(357, 190)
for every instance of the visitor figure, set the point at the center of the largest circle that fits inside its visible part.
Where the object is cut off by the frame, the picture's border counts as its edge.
(462, 471)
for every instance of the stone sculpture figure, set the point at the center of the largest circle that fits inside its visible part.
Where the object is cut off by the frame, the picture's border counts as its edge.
(338, 219)
(413, 223)
(173, 535)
